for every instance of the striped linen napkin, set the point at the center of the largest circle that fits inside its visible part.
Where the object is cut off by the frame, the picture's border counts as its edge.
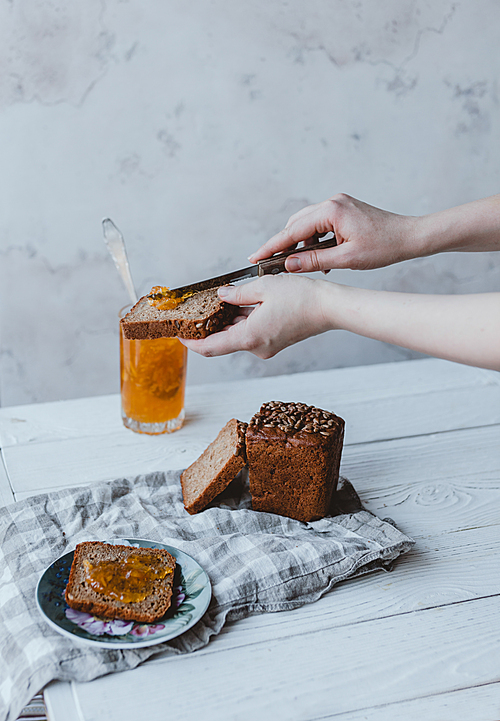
(257, 562)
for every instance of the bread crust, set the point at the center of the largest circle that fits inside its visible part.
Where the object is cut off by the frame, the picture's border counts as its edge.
(197, 317)
(81, 597)
(217, 466)
(293, 463)
(293, 453)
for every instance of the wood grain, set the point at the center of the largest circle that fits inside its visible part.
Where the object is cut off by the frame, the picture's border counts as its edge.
(385, 473)
(317, 675)
(61, 703)
(449, 482)
(420, 642)
(6, 493)
(370, 398)
(479, 702)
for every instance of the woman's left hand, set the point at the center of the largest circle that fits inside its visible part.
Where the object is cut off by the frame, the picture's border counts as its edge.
(276, 312)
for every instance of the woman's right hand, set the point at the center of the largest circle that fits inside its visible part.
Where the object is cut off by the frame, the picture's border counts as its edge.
(367, 237)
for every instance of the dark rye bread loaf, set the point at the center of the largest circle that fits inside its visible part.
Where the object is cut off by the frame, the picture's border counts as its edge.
(293, 452)
(81, 596)
(217, 466)
(196, 317)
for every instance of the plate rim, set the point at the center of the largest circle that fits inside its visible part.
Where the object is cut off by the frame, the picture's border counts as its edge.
(141, 643)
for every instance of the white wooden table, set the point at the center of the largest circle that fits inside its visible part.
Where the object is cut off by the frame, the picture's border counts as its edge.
(422, 447)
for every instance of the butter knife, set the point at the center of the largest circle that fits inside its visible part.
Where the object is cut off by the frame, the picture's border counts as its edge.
(116, 246)
(270, 266)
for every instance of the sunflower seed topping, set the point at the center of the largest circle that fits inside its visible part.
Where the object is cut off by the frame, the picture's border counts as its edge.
(295, 417)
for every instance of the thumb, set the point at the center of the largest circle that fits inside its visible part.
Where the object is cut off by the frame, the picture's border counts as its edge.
(247, 294)
(314, 260)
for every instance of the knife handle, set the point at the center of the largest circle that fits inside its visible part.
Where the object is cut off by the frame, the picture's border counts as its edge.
(276, 263)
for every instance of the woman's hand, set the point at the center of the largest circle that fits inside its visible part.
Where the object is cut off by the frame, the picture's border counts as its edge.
(276, 312)
(281, 310)
(367, 237)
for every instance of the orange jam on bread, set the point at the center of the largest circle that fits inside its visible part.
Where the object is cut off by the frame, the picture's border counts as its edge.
(129, 580)
(165, 299)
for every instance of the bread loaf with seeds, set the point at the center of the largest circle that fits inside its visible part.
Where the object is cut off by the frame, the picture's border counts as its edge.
(293, 454)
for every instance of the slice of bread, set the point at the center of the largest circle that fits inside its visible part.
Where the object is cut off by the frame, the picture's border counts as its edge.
(217, 466)
(196, 317)
(157, 586)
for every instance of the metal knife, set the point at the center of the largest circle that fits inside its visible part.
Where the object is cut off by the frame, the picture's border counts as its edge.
(270, 266)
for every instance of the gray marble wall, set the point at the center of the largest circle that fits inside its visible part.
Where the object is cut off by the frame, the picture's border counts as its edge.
(199, 127)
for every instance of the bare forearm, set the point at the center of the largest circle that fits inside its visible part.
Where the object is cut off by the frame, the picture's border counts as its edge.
(461, 328)
(278, 311)
(471, 227)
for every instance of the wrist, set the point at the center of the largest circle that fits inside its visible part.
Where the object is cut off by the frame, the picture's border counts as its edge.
(434, 233)
(427, 234)
(332, 304)
(358, 310)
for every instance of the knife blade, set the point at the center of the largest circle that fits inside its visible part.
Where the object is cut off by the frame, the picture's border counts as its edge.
(116, 246)
(269, 266)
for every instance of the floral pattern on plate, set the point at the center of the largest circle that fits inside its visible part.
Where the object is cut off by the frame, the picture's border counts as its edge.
(191, 596)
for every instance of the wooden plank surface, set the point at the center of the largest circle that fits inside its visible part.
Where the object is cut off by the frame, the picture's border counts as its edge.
(61, 703)
(480, 702)
(6, 493)
(432, 577)
(369, 388)
(69, 459)
(395, 465)
(318, 674)
(422, 448)
(450, 481)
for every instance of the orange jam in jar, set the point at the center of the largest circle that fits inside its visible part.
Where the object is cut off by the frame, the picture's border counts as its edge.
(165, 299)
(152, 380)
(130, 579)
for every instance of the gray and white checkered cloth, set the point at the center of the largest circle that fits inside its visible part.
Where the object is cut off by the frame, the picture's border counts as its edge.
(257, 562)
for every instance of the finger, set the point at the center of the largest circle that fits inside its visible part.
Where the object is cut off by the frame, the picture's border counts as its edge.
(311, 261)
(226, 341)
(280, 241)
(313, 221)
(340, 257)
(244, 295)
(324, 260)
(243, 314)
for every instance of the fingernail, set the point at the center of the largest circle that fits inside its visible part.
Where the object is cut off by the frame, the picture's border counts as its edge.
(223, 291)
(250, 258)
(293, 264)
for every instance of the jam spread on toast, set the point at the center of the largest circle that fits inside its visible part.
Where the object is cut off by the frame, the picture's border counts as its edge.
(166, 299)
(128, 579)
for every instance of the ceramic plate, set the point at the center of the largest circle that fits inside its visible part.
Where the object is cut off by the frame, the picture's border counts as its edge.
(192, 592)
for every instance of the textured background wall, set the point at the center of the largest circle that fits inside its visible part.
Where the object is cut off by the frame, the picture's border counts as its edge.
(199, 128)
